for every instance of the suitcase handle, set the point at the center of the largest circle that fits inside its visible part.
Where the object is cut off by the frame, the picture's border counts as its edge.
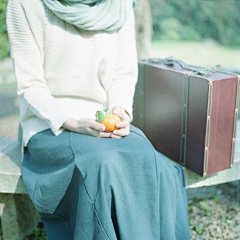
(198, 70)
(169, 62)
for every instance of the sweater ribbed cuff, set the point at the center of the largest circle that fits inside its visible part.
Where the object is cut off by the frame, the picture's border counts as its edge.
(56, 124)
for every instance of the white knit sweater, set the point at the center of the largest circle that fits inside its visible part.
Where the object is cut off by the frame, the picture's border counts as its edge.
(63, 71)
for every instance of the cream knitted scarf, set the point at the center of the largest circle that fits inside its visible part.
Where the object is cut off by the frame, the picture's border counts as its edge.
(105, 15)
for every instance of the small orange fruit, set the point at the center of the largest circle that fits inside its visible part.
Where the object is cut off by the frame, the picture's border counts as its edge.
(108, 120)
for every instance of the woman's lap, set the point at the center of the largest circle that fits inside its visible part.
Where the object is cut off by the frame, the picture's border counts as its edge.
(110, 180)
(52, 159)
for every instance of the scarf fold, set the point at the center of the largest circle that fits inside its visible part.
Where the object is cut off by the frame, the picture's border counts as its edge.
(107, 15)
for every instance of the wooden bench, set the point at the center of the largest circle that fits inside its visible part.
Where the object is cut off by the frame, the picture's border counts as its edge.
(18, 215)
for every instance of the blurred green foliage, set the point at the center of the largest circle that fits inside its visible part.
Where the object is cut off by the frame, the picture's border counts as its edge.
(4, 46)
(194, 20)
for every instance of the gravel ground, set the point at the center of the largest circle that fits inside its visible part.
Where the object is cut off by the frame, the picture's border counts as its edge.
(214, 212)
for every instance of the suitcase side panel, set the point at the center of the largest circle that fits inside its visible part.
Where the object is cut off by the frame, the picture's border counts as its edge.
(163, 110)
(222, 124)
(197, 123)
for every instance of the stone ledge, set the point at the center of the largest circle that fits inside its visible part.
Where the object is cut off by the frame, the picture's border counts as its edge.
(10, 167)
(192, 180)
(12, 184)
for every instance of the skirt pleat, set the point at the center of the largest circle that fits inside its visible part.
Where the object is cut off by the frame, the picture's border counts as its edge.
(101, 188)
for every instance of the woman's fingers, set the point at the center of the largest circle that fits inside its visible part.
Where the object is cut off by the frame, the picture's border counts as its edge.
(125, 121)
(96, 133)
(97, 129)
(104, 135)
(116, 136)
(96, 125)
(124, 125)
(118, 110)
(121, 132)
(90, 127)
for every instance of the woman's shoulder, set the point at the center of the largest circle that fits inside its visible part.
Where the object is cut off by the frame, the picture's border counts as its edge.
(26, 3)
(28, 7)
(25, 18)
(32, 10)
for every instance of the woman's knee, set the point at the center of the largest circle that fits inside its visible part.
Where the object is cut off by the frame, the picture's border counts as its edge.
(46, 148)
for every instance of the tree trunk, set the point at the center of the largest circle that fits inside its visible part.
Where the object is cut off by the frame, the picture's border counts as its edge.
(143, 28)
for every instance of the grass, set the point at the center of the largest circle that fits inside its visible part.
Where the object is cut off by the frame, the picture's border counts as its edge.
(38, 233)
(207, 53)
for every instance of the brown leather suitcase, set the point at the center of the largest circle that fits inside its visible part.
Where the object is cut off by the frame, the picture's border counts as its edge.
(188, 113)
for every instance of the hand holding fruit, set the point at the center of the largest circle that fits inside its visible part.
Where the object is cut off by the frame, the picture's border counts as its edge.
(87, 126)
(108, 120)
(113, 123)
(114, 127)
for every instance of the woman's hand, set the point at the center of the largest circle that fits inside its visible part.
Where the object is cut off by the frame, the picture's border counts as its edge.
(124, 125)
(86, 126)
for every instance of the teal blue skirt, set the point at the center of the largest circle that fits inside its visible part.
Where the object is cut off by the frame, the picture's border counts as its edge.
(88, 188)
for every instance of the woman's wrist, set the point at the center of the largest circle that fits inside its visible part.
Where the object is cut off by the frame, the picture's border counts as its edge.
(70, 124)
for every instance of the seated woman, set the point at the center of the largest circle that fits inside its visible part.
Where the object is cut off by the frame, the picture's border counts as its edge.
(71, 59)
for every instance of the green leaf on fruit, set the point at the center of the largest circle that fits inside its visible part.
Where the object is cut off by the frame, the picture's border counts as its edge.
(101, 115)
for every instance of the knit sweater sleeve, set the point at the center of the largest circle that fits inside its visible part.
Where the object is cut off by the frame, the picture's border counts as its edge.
(25, 24)
(125, 77)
